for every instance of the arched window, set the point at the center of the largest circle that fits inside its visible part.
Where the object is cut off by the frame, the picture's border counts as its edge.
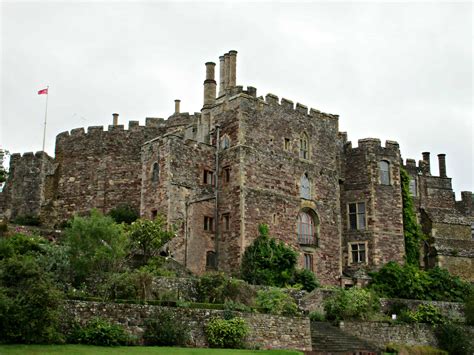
(305, 187)
(384, 167)
(225, 142)
(155, 172)
(308, 225)
(210, 259)
(304, 146)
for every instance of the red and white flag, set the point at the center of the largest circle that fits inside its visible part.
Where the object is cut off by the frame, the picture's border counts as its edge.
(43, 92)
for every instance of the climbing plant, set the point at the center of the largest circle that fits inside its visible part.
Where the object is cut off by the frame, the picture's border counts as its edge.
(411, 228)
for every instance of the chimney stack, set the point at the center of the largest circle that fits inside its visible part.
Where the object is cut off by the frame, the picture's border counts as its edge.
(226, 71)
(426, 159)
(232, 68)
(176, 106)
(442, 165)
(209, 85)
(115, 119)
(221, 76)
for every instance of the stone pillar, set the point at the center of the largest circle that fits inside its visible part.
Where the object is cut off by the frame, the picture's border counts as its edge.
(176, 106)
(226, 70)
(221, 76)
(209, 85)
(115, 119)
(426, 159)
(232, 68)
(442, 165)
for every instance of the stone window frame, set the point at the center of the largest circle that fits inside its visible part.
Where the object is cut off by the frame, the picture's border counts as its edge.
(303, 148)
(155, 172)
(385, 176)
(358, 252)
(225, 142)
(286, 144)
(210, 259)
(154, 213)
(302, 193)
(307, 233)
(208, 224)
(208, 177)
(413, 186)
(309, 262)
(357, 213)
(226, 174)
(225, 222)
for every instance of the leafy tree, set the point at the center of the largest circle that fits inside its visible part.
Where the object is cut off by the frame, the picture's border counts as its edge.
(96, 244)
(306, 279)
(275, 301)
(124, 214)
(147, 237)
(411, 229)
(354, 303)
(3, 171)
(268, 262)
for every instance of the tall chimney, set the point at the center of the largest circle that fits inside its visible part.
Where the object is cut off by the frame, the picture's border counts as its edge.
(226, 70)
(209, 85)
(115, 119)
(176, 106)
(442, 165)
(232, 68)
(221, 76)
(426, 159)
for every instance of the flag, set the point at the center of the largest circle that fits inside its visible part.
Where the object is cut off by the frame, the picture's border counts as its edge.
(43, 92)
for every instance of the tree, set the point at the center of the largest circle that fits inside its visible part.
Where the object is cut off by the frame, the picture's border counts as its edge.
(96, 244)
(268, 262)
(146, 237)
(3, 171)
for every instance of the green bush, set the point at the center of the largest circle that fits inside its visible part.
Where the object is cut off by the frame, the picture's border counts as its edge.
(407, 281)
(27, 220)
(216, 287)
(222, 333)
(100, 332)
(20, 244)
(425, 313)
(454, 339)
(306, 279)
(165, 329)
(3, 228)
(267, 261)
(96, 245)
(124, 214)
(354, 303)
(237, 306)
(469, 310)
(316, 316)
(275, 301)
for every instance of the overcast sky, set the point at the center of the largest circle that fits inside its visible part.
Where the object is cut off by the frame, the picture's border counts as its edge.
(397, 71)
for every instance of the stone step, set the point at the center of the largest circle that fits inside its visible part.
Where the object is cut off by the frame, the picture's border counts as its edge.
(328, 339)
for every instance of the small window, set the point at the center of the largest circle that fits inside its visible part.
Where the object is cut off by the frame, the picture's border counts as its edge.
(210, 259)
(208, 223)
(306, 229)
(226, 221)
(305, 187)
(208, 177)
(472, 230)
(412, 186)
(358, 253)
(286, 144)
(225, 142)
(274, 219)
(155, 172)
(304, 147)
(357, 216)
(384, 172)
(154, 214)
(308, 262)
(226, 176)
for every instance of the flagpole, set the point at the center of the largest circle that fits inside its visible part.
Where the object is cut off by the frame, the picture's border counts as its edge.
(45, 116)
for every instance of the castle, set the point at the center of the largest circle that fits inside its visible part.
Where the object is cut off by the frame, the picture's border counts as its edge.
(245, 160)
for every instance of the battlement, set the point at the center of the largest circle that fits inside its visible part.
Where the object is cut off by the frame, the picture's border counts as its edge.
(372, 144)
(39, 155)
(424, 165)
(273, 100)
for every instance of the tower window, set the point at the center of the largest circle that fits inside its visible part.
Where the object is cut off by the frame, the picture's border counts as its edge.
(384, 168)
(226, 176)
(225, 142)
(358, 253)
(208, 177)
(286, 144)
(304, 146)
(307, 228)
(305, 187)
(226, 221)
(208, 223)
(357, 216)
(308, 262)
(412, 186)
(155, 172)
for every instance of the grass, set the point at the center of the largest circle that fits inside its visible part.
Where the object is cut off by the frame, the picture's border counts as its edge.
(130, 350)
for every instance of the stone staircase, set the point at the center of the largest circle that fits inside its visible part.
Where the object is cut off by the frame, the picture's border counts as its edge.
(328, 339)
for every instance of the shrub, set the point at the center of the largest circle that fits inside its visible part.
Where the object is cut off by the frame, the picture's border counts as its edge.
(124, 214)
(306, 279)
(100, 332)
(218, 288)
(354, 303)
(222, 333)
(425, 313)
(165, 329)
(469, 310)
(268, 262)
(236, 306)
(27, 220)
(146, 238)
(3, 228)
(96, 245)
(316, 316)
(275, 301)
(454, 339)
